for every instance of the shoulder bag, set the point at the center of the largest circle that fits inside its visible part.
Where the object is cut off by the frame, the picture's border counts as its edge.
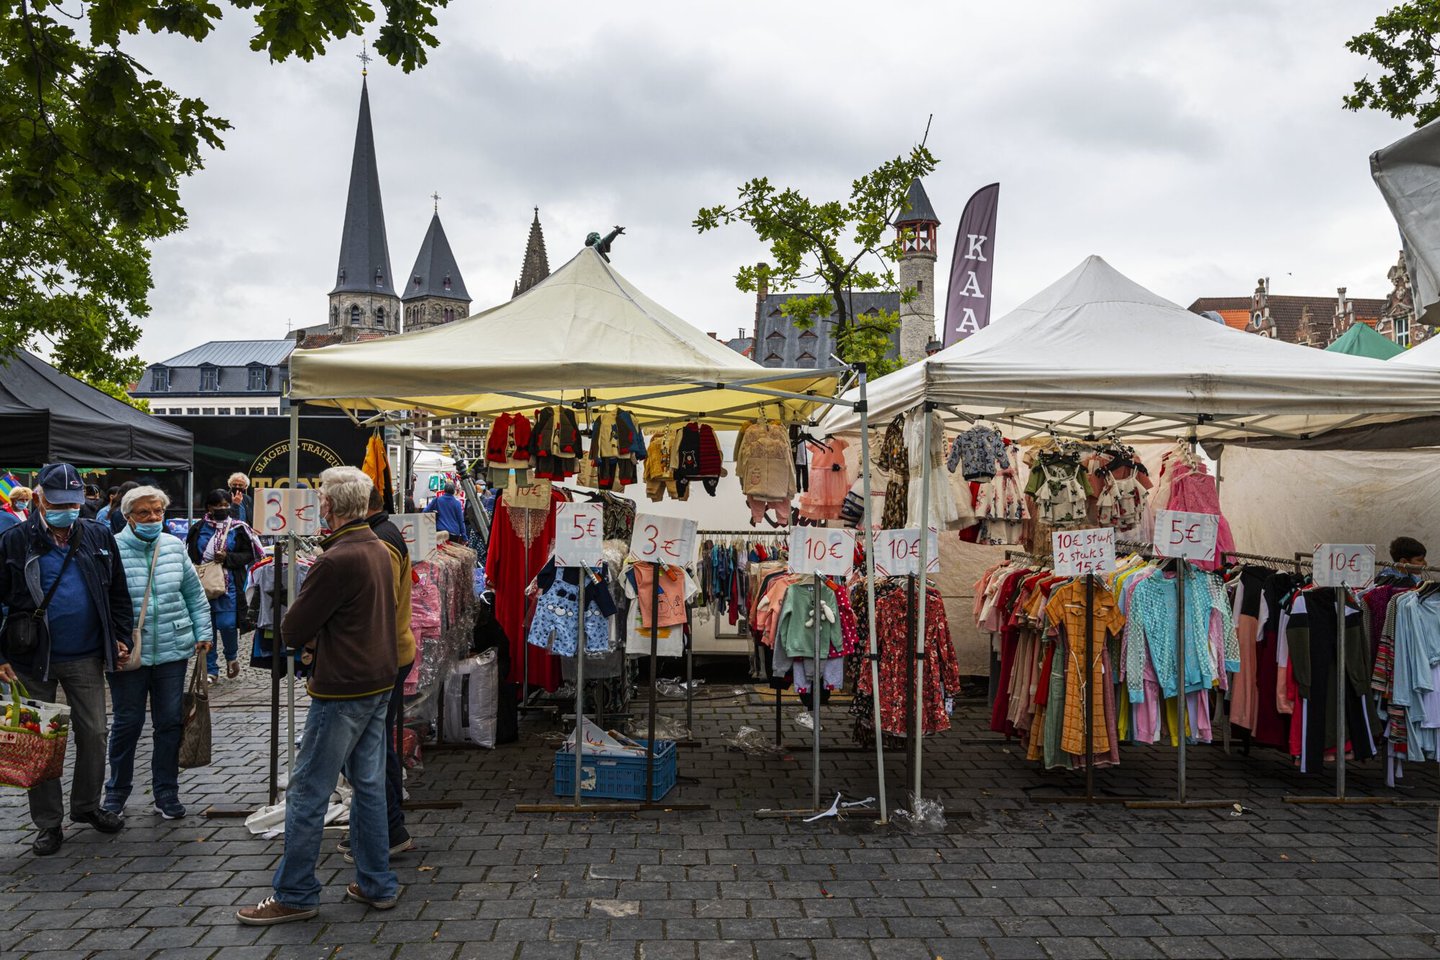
(24, 631)
(137, 636)
(195, 711)
(212, 572)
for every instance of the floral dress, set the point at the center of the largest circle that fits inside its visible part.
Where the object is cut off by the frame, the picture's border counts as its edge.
(893, 459)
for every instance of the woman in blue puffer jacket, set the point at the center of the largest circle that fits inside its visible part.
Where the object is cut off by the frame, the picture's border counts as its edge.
(176, 625)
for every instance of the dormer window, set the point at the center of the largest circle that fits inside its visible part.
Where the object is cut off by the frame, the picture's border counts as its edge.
(209, 377)
(379, 277)
(159, 379)
(417, 283)
(342, 274)
(447, 283)
(257, 376)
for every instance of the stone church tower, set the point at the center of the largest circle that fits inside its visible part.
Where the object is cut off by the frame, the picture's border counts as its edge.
(537, 265)
(364, 300)
(435, 293)
(917, 226)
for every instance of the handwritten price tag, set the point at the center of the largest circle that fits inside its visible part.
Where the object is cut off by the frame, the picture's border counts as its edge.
(418, 529)
(579, 529)
(1344, 564)
(1078, 552)
(284, 511)
(822, 550)
(897, 552)
(669, 540)
(1188, 535)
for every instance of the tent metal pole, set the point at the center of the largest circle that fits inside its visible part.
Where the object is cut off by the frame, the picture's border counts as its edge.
(190, 495)
(290, 578)
(868, 520)
(924, 603)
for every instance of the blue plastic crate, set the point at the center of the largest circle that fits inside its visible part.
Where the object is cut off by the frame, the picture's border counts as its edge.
(616, 778)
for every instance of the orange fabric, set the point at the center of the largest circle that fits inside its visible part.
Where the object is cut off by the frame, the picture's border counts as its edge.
(1067, 609)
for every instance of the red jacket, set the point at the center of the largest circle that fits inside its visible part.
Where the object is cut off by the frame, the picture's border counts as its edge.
(495, 443)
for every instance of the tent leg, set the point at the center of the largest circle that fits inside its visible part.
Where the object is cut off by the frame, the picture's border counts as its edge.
(869, 522)
(290, 580)
(190, 495)
(917, 734)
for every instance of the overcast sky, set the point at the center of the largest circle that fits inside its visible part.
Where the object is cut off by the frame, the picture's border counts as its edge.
(1194, 146)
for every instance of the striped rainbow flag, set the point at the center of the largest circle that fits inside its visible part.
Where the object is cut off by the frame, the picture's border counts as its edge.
(7, 484)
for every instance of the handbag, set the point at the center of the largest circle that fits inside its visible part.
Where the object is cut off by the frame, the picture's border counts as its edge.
(212, 572)
(23, 631)
(137, 636)
(33, 735)
(195, 711)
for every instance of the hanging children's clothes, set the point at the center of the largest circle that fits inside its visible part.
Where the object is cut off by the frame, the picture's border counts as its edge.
(893, 459)
(507, 447)
(979, 453)
(556, 443)
(942, 671)
(1058, 486)
(1311, 636)
(943, 512)
(829, 478)
(676, 587)
(552, 626)
(766, 467)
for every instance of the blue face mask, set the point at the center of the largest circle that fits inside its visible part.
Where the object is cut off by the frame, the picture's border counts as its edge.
(22, 505)
(62, 519)
(148, 531)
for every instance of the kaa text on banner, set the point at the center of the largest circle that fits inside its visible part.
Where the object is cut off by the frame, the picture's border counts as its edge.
(967, 305)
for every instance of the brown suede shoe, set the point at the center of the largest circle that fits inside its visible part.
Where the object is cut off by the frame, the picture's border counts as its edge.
(270, 911)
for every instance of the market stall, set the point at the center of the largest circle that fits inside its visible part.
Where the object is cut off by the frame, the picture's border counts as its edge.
(584, 345)
(1097, 358)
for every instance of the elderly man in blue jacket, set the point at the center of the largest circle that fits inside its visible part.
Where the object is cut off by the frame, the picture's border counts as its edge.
(68, 622)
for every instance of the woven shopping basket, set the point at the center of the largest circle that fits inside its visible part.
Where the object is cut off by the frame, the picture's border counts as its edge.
(33, 734)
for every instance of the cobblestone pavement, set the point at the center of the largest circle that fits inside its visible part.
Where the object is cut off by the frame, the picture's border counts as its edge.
(1014, 875)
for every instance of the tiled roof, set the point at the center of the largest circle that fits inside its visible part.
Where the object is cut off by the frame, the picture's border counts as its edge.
(1235, 319)
(1286, 311)
(780, 344)
(234, 353)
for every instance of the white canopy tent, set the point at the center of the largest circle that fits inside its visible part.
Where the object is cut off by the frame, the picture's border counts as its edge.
(1097, 353)
(1426, 354)
(586, 334)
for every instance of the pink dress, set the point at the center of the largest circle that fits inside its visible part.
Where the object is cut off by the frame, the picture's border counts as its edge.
(830, 480)
(1196, 492)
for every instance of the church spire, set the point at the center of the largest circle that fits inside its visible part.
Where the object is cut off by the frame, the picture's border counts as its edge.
(364, 253)
(363, 302)
(537, 264)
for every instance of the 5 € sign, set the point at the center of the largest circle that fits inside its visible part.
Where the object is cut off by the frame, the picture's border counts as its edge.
(578, 534)
(1182, 534)
(287, 511)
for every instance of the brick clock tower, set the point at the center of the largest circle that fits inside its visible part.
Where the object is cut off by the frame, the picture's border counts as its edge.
(917, 226)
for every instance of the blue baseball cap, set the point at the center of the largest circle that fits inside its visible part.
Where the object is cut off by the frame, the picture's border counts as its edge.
(61, 485)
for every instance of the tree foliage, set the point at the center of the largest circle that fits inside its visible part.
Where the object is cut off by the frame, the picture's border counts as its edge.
(840, 246)
(1402, 43)
(93, 148)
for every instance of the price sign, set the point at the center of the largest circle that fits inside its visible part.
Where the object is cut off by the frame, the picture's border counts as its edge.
(418, 529)
(579, 531)
(435, 482)
(1344, 564)
(1078, 552)
(1188, 535)
(822, 550)
(668, 540)
(897, 552)
(281, 511)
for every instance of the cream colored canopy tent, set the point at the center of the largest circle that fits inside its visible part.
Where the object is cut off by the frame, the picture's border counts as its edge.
(585, 334)
(1426, 354)
(1097, 353)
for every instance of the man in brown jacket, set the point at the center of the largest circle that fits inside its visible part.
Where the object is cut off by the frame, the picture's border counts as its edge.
(345, 613)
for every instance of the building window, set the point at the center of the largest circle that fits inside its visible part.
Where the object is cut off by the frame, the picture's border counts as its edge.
(354, 315)
(208, 411)
(447, 283)
(192, 411)
(210, 378)
(257, 378)
(159, 379)
(920, 288)
(379, 316)
(379, 278)
(257, 411)
(1402, 332)
(223, 411)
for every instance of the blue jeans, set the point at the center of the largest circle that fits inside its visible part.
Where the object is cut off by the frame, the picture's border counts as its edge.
(394, 768)
(164, 686)
(348, 734)
(230, 637)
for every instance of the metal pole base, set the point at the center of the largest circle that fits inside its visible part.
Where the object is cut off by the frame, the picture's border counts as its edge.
(678, 807)
(767, 814)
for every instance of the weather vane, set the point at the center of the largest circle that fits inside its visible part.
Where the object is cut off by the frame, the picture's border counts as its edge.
(364, 57)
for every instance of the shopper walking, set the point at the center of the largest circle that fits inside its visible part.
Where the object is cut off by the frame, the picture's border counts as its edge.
(172, 618)
(115, 519)
(242, 507)
(345, 615)
(218, 539)
(449, 513)
(70, 569)
(390, 535)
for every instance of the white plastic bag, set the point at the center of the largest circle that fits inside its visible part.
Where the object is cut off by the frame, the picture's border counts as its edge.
(472, 692)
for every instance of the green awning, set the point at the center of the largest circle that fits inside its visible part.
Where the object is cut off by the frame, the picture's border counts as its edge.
(1362, 341)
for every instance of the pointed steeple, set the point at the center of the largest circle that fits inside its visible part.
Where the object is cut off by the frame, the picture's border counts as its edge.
(436, 273)
(364, 252)
(537, 264)
(917, 206)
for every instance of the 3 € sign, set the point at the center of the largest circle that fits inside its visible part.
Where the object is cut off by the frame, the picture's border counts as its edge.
(282, 512)
(667, 540)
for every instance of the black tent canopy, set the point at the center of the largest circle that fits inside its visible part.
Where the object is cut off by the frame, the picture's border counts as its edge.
(47, 416)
